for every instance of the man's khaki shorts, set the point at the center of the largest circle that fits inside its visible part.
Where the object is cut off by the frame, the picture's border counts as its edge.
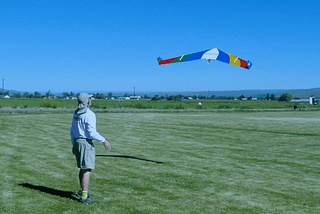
(85, 153)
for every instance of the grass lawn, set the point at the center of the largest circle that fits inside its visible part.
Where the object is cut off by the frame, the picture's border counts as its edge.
(183, 162)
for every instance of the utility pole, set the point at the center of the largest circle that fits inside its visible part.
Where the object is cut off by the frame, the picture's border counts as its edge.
(2, 85)
(134, 90)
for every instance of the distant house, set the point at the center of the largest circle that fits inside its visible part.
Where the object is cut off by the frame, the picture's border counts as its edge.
(112, 98)
(123, 98)
(312, 100)
(135, 97)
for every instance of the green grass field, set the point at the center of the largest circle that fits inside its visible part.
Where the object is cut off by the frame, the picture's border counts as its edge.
(183, 162)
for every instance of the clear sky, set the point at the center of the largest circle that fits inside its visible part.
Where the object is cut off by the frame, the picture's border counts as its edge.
(111, 46)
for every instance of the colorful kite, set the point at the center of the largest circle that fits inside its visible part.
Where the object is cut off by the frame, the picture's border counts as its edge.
(211, 54)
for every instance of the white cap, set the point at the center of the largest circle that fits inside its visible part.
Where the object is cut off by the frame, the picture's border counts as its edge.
(84, 97)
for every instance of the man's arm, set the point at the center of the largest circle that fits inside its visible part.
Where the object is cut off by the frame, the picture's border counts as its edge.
(92, 129)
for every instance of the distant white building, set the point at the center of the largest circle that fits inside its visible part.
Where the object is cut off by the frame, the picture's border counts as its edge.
(135, 97)
(312, 100)
(300, 100)
(7, 96)
(112, 98)
(123, 98)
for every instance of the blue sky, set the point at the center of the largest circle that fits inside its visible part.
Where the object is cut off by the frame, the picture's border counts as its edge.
(112, 46)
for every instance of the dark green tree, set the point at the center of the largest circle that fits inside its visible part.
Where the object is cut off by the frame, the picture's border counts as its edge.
(155, 98)
(48, 94)
(109, 95)
(17, 95)
(268, 97)
(213, 97)
(241, 97)
(285, 97)
(65, 95)
(273, 97)
(37, 94)
(100, 96)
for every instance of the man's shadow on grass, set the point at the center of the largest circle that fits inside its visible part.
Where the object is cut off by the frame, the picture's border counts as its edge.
(51, 191)
(70, 195)
(131, 157)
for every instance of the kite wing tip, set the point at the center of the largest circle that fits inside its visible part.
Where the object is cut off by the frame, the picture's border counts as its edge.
(159, 60)
(249, 64)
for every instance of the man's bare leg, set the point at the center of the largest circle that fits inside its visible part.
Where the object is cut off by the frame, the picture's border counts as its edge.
(84, 178)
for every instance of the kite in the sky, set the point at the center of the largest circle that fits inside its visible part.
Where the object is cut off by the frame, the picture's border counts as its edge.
(211, 54)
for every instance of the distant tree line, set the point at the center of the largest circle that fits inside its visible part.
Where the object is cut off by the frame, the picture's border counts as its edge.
(178, 97)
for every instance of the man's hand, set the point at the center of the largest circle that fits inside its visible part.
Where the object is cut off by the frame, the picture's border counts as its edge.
(73, 150)
(107, 145)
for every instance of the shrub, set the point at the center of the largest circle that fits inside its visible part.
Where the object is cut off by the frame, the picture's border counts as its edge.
(179, 106)
(198, 107)
(48, 105)
(224, 106)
